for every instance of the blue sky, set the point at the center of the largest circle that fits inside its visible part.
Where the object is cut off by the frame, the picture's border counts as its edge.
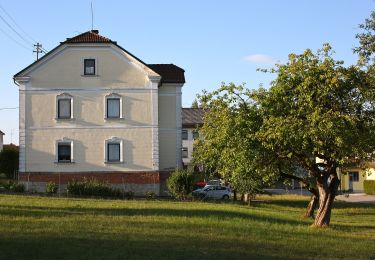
(213, 40)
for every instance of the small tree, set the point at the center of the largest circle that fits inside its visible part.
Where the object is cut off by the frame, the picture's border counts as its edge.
(9, 161)
(180, 183)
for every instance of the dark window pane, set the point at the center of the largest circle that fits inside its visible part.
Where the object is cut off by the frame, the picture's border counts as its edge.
(64, 108)
(354, 176)
(113, 108)
(64, 152)
(89, 66)
(185, 152)
(113, 152)
(184, 134)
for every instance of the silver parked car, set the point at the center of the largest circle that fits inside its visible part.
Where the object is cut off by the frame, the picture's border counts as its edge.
(213, 192)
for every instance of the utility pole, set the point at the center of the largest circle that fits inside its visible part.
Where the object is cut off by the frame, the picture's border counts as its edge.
(38, 49)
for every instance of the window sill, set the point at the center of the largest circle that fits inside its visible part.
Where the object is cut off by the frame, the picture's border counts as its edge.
(71, 162)
(108, 162)
(64, 119)
(90, 76)
(113, 118)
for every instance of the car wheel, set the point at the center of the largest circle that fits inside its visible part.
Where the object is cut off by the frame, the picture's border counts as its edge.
(225, 197)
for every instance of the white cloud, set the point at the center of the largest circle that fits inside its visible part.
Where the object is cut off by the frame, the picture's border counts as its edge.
(261, 59)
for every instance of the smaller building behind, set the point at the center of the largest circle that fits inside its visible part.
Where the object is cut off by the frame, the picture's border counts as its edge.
(192, 118)
(1, 140)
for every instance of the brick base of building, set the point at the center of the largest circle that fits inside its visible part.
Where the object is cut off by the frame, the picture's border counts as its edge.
(138, 182)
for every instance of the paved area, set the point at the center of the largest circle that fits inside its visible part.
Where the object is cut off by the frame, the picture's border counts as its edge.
(352, 197)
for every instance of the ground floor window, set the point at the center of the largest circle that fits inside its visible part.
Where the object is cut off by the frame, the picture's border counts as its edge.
(185, 152)
(354, 176)
(64, 151)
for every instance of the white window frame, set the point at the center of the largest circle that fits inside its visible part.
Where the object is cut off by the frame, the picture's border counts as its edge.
(182, 134)
(64, 96)
(64, 141)
(185, 149)
(111, 96)
(113, 140)
(83, 66)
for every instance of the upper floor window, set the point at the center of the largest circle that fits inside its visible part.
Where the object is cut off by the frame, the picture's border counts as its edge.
(113, 106)
(89, 67)
(64, 106)
(184, 134)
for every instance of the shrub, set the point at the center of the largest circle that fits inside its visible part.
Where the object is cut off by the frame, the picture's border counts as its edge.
(17, 187)
(14, 186)
(9, 161)
(129, 195)
(51, 187)
(180, 183)
(150, 195)
(369, 187)
(93, 187)
(89, 187)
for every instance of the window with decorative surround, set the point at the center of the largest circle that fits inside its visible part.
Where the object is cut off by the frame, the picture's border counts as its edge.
(64, 151)
(64, 106)
(114, 150)
(113, 106)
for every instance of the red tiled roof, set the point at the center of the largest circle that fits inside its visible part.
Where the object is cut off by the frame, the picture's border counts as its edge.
(169, 73)
(88, 37)
(191, 117)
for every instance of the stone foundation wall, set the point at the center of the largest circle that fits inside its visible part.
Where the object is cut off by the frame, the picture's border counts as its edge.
(138, 182)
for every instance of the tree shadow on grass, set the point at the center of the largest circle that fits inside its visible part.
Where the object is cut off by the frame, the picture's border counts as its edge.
(39, 211)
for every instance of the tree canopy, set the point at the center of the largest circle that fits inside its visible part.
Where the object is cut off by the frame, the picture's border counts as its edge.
(316, 116)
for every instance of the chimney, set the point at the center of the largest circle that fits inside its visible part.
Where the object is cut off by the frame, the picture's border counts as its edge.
(95, 31)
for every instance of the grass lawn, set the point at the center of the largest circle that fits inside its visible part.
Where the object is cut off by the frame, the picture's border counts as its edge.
(60, 228)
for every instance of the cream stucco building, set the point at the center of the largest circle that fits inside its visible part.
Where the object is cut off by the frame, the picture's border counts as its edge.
(90, 108)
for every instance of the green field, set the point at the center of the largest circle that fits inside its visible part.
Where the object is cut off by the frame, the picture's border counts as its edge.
(59, 228)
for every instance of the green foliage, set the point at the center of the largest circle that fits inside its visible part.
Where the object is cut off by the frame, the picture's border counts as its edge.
(366, 39)
(93, 187)
(369, 187)
(13, 186)
(9, 161)
(51, 187)
(150, 195)
(180, 183)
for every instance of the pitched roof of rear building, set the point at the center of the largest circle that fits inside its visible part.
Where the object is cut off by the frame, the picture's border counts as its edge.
(169, 73)
(1, 133)
(191, 117)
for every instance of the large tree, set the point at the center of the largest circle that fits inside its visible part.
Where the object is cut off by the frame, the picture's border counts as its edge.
(316, 117)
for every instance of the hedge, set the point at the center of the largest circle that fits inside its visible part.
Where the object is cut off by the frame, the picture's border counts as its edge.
(369, 187)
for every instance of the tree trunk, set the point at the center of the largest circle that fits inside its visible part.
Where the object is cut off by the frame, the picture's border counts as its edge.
(327, 193)
(312, 206)
(234, 196)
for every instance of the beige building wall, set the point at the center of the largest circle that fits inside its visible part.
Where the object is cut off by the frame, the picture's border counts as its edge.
(63, 73)
(170, 144)
(88, 150)
(65, 70)
(362, 175)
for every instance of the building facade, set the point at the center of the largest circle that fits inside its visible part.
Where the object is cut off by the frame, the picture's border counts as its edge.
(89, 108)
(192, 118)
(1, 140)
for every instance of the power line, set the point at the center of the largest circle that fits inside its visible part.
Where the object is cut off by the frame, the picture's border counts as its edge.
(16, 24)
(14, 30)
(10, 37)
(6, 108)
